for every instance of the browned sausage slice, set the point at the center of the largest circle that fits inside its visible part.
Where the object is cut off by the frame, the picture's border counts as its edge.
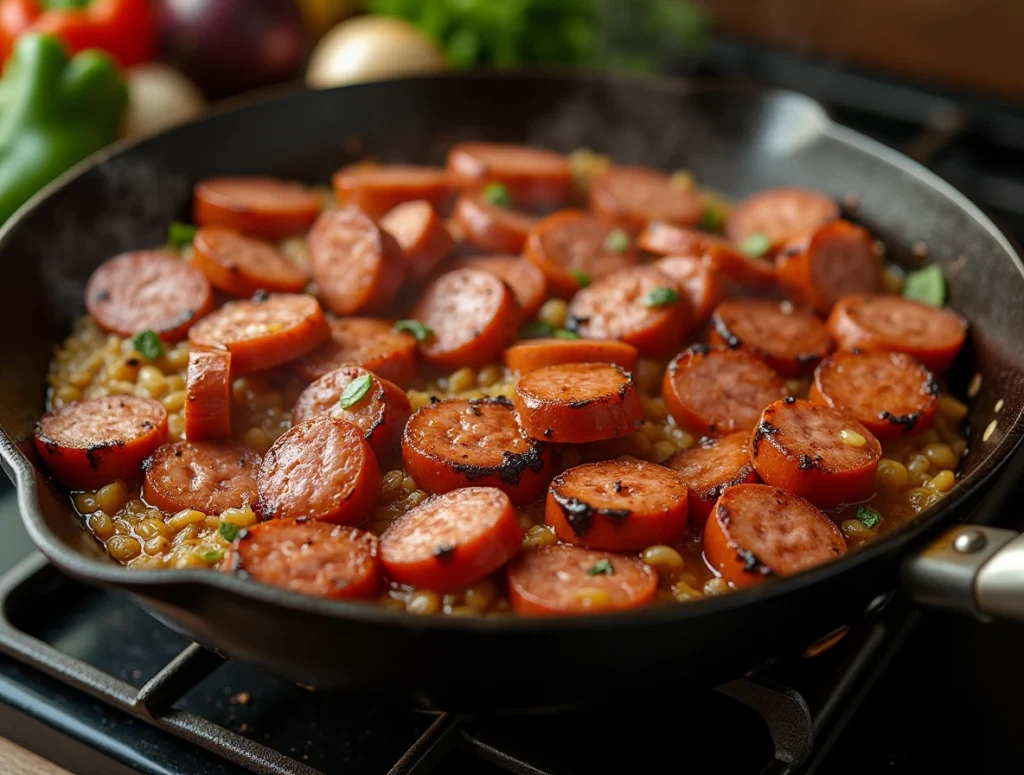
(632, 197)
(723, 257)
(309, 557)
(890, 324)
(492, 228)
(757, 531)
(710, 467)
(322, 469)
(148, 291)
(208, 476)
(357, 265)
(376, 189)
(534, 354)
(578, 402)
(779, 215)
(701, 285)
(790, 340)
(208, 398)
(534, 177)
(421, 234)
(526, 281)
(367, 342)
(241, 265)
(263, 207)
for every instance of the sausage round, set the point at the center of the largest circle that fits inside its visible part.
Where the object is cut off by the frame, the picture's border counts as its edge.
(780, 214)
(377, 188)
(208, 476)
(492, 228)
(710, 467)
(241, 265)
(263, 207)
(367, 342)
(422, 236)
(723, 257)
(632, 197)
(534, 177)
(208, 395)
(534, 354)
(526, 281)
(700, 284)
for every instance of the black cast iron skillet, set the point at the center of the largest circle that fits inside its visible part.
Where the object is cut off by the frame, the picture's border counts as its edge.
(737, 139)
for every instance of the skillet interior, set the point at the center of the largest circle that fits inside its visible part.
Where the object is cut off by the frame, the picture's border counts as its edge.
(736, 139)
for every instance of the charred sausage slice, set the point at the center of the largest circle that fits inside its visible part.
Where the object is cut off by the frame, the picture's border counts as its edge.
(789, 339)
(241, 265)
(367, 342)
(779, 214)
(618, 505)
(377, 188)
(452, 540)
(565, 580)
(574, 403)
(208, 476)
(422, 236)
(632, 197)
(525, 357)
(526, 281)
(715, 390)
(534, 177)
(263, 207)
(816, 452)
(710, 467)
(890, 393)
(757, 531)
(88, 444)
(148, 291)
(208, 395)
(457, 443)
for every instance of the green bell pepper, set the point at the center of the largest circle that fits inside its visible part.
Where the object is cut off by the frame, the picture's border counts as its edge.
(54, 111)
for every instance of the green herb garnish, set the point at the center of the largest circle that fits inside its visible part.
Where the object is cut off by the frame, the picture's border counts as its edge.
(355, 390)
(420, 331)
(868, 516)
(180, 235)
(602, 568)
(581, 278)
(661, 296)
(229, 531)
(497, 195)
(148, 345)
(712, 219)
(756, 245)
(927, 286)
(563, 333)
(211, 555)
(535, 329)
(617, 241)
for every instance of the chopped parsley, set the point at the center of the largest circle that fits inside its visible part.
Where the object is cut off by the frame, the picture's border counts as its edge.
(712, 219)
(602, 568)
(927, 286)
(497, 195)
(562, 333)
(581, 278)
(868, 516)
(756, 245)
(211, 555)
(421, 331)
(355, 390)
(535, 329)
(229, 531)
(180, 235)
(617, 241)
(148, 345)
(661, 296)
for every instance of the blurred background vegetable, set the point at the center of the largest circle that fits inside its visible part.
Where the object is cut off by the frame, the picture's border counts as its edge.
(158, 97)
(321, 15)
(372, 47)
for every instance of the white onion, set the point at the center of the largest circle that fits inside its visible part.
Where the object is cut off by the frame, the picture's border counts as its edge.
(158, 97)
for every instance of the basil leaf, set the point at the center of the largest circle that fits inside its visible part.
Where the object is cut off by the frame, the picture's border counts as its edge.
(868, 516)
(355, 390)
(535, 329)
(562, 333)
(927, 286)
(180, 235)
(229, 531)
(497, 195)
(419, 330)
(661, 296)
(756, 245)
(602, 568)
(580, 277)
(148, 345)
(617, 241)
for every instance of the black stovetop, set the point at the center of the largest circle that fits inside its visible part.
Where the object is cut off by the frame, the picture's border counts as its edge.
(903, 694)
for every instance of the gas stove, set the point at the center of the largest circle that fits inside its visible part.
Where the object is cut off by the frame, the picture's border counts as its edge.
(92, 682)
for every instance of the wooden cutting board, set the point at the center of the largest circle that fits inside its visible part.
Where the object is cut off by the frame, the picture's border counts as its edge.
(15, 760)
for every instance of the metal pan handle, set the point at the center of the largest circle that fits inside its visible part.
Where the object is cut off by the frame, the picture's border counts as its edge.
(970, 569)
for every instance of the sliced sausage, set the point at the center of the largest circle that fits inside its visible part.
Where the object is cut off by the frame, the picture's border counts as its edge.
(715, 390)
(208, 476)
(241, 265)
(757, 531)
(836, 260)
(710, 467)
(208, 395)
(263, 332)
(814, 451)
(564, 580)
(378, 407)
(376, 189)
(421, 234)
(890, 393)
(88, 444)
(700, 284)
(572, 248)
(263, 207)
(452, 540)
(619, 505)
(526, 281)
(148, 291)
(357, 265)
(874, 322)
(471, 315)
(490, 227)
(529, 356)
(632, 197)
(575, 403)
(724, 258)
(322, 469)
(780, 214)
(367, 342)
(309, 557)
(789, 339)
(534, 177)
(458, 443)
(641, 306)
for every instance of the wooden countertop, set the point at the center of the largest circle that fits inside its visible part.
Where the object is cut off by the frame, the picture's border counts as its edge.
(15, 760)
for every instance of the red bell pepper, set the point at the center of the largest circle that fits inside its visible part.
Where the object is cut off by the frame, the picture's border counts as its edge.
(126, 29)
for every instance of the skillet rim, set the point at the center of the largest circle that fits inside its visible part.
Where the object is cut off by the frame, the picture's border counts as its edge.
(139, 582)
